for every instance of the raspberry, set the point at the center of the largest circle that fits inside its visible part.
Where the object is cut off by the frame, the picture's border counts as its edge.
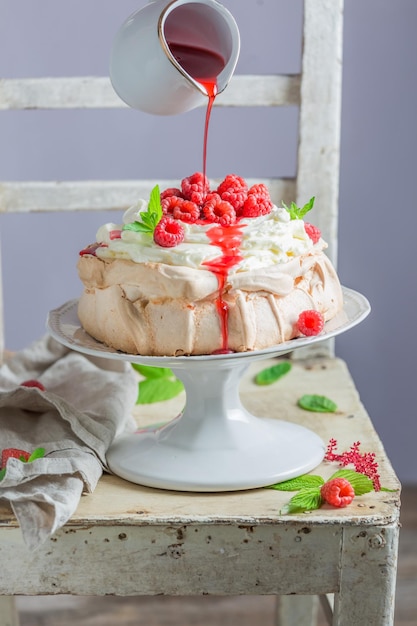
(13, 453)
(234, 190)
(171, 191)
(195, 187)
(186, 211)
(33, 383)
(219, 211)
(258, 202)
(115, 234)
(168, 233)
(169, 203)
(312, 231)
(337, 492)
(310, 322)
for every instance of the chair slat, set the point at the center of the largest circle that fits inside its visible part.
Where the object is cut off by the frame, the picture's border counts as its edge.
(25, 197)
(97, 92)
(319, 130)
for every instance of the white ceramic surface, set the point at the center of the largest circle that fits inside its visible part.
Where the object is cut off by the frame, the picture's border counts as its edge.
(215, 444)
(143, 70)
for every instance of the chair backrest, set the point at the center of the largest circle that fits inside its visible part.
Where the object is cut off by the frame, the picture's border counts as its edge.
(316, 90)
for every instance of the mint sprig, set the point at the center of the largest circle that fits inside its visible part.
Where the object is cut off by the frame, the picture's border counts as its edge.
(296, 212)
(309, 486)
(150, 218)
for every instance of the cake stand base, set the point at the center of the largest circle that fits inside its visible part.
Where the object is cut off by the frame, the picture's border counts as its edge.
(215, 444)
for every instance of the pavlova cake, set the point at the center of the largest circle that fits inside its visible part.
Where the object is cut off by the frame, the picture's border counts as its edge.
(198, 271)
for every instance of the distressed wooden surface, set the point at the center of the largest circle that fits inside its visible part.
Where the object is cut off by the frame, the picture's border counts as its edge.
(146, 541)
(319, 130)
(215, 610)
(93, 92)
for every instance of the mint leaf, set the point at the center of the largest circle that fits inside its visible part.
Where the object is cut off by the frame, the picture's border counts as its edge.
(150, 371)
(154, 206)
(149, 218)
(38, 453)
(301, 482)
(2, 473)
(305, 500)
(306, 208)
(361, 484)
(137, 227)
(158, 390)
(319, 404)
(297, 213)
(269, 375)
(160, 384)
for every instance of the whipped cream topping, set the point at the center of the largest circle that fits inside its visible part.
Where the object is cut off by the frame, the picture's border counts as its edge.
(267, 240)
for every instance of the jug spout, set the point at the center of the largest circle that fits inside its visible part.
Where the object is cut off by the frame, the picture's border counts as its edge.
(167, 58)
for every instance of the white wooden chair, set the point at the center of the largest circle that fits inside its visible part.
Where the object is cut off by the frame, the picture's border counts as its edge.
(192, 544)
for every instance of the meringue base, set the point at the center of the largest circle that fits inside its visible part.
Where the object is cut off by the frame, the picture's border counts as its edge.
(155, 309)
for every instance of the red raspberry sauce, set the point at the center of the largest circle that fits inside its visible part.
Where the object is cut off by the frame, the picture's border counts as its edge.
(228, 239)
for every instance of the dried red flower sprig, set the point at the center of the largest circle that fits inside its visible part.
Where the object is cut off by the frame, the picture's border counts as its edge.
(363, 462)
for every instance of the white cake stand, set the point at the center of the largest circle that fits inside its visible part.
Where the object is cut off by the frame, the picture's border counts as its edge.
(215, 444)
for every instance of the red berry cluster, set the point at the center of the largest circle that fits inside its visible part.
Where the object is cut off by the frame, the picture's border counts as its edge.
(232, 199)
(363, 462)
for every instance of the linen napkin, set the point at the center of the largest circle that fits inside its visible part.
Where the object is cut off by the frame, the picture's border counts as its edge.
(87, 401)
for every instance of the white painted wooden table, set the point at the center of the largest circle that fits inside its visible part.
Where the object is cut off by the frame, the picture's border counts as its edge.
(131, 540)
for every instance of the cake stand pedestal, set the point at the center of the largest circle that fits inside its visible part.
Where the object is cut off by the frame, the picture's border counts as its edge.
(215, 444)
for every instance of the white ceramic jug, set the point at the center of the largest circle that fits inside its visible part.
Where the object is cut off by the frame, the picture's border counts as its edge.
(167, 55)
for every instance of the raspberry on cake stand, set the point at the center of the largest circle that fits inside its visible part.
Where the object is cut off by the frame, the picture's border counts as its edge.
(215, 444)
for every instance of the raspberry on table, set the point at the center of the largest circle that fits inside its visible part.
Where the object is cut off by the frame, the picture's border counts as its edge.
(233, 189)
(195, 187)
(337, 492)
(310, 322)
(168, 233)
(312, 231)
(33, 383)
(13, 453)
(218, 211)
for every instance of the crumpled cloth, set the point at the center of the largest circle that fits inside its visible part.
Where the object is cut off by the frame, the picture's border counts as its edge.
(87, 402)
